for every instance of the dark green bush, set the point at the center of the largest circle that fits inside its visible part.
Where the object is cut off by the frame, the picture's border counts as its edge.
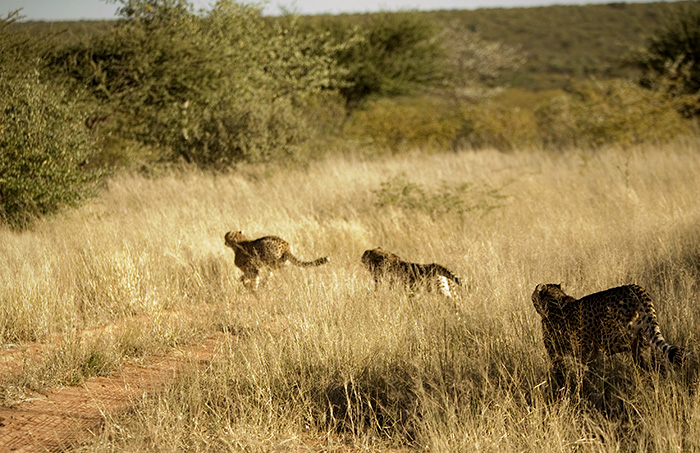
(671, 57)
(390, 54)
(213, 87)
(45, 150)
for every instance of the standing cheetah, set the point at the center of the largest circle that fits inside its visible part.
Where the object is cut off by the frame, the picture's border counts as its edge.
(386, 265)
(616, 320)
(269, 251)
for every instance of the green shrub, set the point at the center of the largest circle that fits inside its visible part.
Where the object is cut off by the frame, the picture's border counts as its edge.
(45, 150)
(213, 87)
(671, 57)
(390, 54)
(619, 112)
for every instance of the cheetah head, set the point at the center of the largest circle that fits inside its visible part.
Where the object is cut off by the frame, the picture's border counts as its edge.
(548, 296)
(367, 256)
(233, 237)
(374, 257)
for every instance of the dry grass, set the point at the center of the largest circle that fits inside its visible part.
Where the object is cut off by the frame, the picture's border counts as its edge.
(322, 362)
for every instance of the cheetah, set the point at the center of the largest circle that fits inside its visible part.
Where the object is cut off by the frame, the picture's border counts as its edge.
(386, 265)
(620, 319)
(269, 251)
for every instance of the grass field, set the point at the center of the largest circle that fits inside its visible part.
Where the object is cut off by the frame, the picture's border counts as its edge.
(320, 360)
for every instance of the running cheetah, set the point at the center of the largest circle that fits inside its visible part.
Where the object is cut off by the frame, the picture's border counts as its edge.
(269, 251)
(616, 320)
(383, 264)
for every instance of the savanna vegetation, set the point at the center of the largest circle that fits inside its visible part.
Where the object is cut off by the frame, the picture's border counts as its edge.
(320, 360)
(128, 150)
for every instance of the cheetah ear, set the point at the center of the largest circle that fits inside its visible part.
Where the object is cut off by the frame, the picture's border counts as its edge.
(540, 287)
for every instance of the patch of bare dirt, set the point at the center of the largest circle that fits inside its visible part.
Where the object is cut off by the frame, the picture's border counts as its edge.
(63, 417)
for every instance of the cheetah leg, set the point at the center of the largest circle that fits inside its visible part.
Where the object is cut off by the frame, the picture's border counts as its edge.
(251, 279)
(377, 282)
(263, 281)
(558, 374)
(638, 345)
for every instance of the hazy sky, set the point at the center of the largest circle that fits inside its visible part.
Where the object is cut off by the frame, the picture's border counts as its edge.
(99, 9)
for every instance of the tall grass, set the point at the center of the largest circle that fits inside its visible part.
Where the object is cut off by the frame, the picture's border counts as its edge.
(320, 360)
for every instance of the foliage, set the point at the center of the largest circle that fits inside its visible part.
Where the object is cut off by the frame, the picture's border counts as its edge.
(45, 151)
(407, 53)
(390, 54)
(475, 63)
(215, 87)
(44, 145)
(590, 114)
(597, 113)
(491, 124)
(19, 48)
(671, 58)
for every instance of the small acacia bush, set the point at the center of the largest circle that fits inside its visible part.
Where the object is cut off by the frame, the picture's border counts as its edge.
(45, 150)
(460, 200)
(619, 112)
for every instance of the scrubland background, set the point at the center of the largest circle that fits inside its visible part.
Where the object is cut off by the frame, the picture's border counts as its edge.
(123, 169)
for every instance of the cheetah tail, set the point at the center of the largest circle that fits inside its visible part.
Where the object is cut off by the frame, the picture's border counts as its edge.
(297, 262)
(679, 356)
(673, 354)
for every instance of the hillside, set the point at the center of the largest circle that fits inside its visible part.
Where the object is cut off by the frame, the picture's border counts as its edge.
(560, 42)
(569, 41)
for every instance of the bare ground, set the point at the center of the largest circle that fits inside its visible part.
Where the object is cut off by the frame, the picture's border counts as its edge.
(62, 417)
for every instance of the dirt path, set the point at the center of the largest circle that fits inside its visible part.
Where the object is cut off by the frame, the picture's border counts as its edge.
(64, 417)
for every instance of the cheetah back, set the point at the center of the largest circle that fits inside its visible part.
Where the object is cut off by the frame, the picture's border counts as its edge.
(265, 251)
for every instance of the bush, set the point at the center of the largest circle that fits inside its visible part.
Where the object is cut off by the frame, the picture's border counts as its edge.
(45, 150)
(436, 124)
(596, 113)
(460, 200)
(671, 58)
(390, 54)
(213, 88)
(408, 53)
